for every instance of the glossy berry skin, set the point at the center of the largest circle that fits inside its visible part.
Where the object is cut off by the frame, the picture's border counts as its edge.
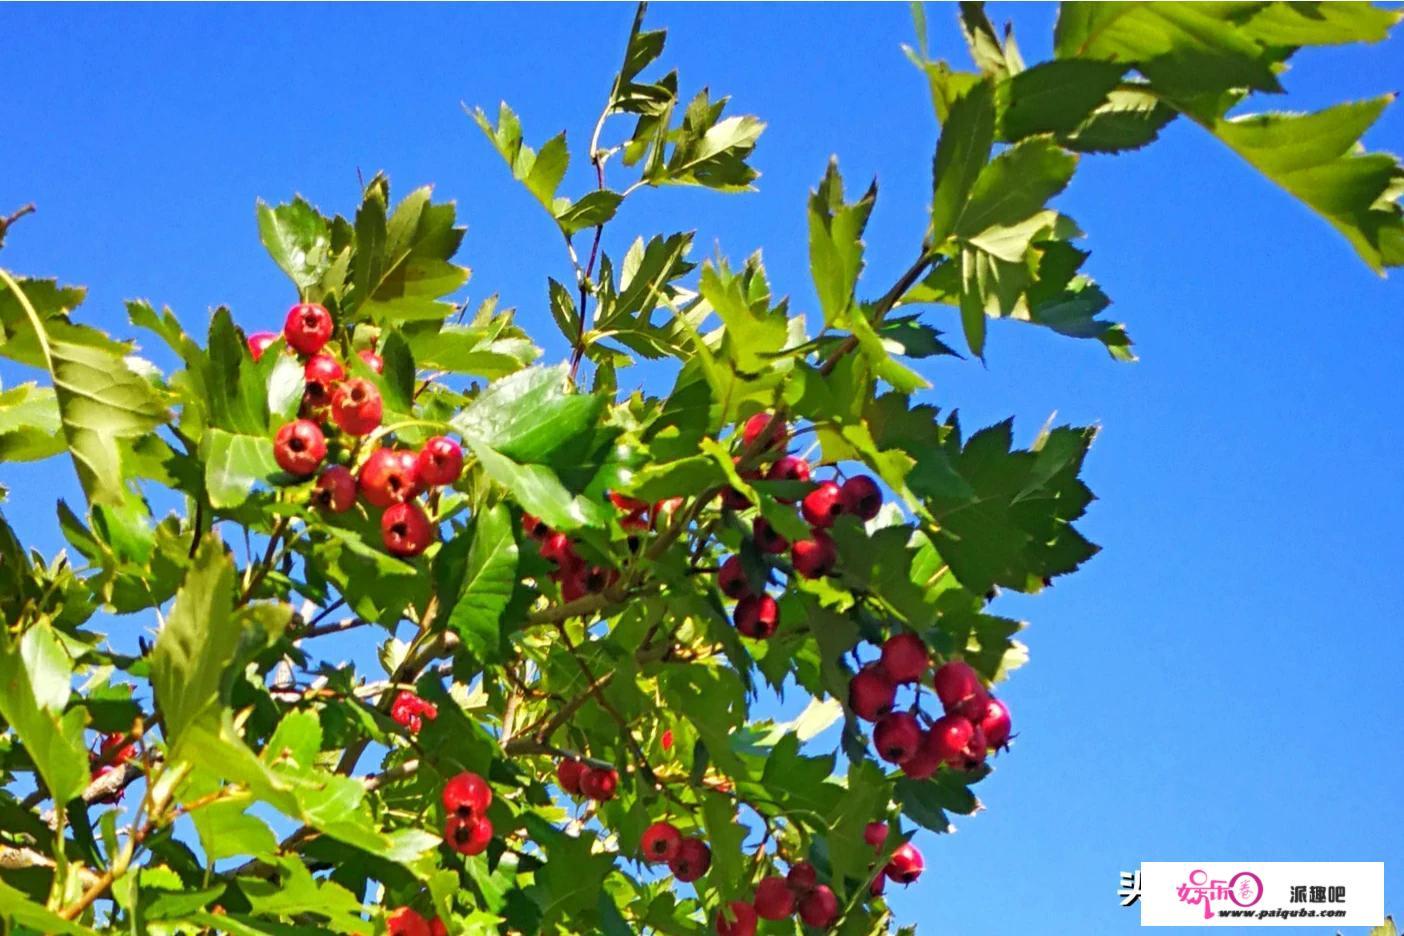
(870, 693)
(875, 834)
(691, 861)
(335, 490)
(742, 922)
(766, 537)
(861, 497)
(995, 724)
(757, 616)
(897, 736)
(822, 506)
(466, 795)
(820, 908)
(437, 927)
(568, 774)
(259, 342)
(558, 548)
(299, 447)
(765, 431)
(321, 372)
(572, 583)
(788, 468)
(660, 842)
(731, 578)
(410, 711)
(802, 877)
(535, 527)
(373, 360)
(356, 406)
(814, 557)
(440, 461)
(405, 922)
(774, 899)
(950, 736)
(904, 658)
(878, 885)
(926, 761)
(976, 749)
(405, 529)
(389, 476)
(906, 864)
(955, 682)
(468, 836)
(307, 328)
(599, 783)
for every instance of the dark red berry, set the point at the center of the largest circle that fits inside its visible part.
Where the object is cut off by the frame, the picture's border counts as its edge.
(373, 360)
(906, 864)
(875, 834)
(466, 795)
(308, 327)
(335, 489)
(741, 923)
(861, 497)
(764, 431)
(691, 861)
(788, 468)
(956, 682)
(774, 899)
(535, 527)
(405, 529)
(767, 538)
(731, 578)
(802, 877)
(568, 774)
(440, 462)
(822, 506)
(814, 557)
(356, 406)
(904, 658)
(558, 548)
(757, 616)
(468, 836)
(996, 724)
(820, 908)
(629, 505)
(259, 342)
(897, 736)
(321, 372)
(870, 693)
(660, 842)
(950, 736)
(927, 759)
(299, 447)
(599, 783)
(405, 922)
(389, 476)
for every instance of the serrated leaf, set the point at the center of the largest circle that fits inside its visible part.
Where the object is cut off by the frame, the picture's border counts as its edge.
(34, 675)
(484, 582)
(1054, 97)
(235, 464)
(30, 425)
(967, 134)
(836, 242)
(532, 416)
(298, 239)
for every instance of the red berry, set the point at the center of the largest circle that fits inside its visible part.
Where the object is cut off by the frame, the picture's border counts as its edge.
(599, 783)
(769, 429)
(405, 922)
(691, 861)
(405, 529)
(468, 836)
(927, 759)
(389, 476)
(950, 736)
(568, 774)
(774, 899)
(116, 749)
(861, 497)
(731, 578)
(822, 506)
(904, 658)
(373, 360)
(660, 842)
(437, 927)
(335, 490)
(897, 736)
(788, 468)
(596, 579)
(996, 724)
(819, 908)
(558, 548)
(299, 447)
(802, 877)
(410, 711)
(757, 616)
(956, 682)
(535, 527)
(766, 537)
(308, 327)
(259, 342)
(878, 885)
(356, 406)
(976, 749)
(875, 834)
(440, 462)
(870, 693)
(572, 583)
(321, 371)
(906, 864)
(815, 557)
(466, 795)
(742, 922)
(733, 499)
(630, 505)
(667, 740)
(665, 509)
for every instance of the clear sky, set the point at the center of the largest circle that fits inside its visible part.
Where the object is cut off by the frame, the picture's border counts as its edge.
(1216, 684)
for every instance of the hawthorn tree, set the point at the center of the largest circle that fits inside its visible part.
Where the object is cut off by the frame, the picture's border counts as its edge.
(576, 595)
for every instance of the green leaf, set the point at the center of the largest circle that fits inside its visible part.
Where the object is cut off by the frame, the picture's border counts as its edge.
(298, 239)
(1016, 185)
(100, 399)
(593, 209)
(836, 242)
(538, 490)
(542, 172)
(1316, 157)
(30, 425)
(967, 135)
(234, 464)
(531, 417)
(34, 687)
(401, 267)
(1055, 96)
(226, 830)
(1131, 118)
(1314, 23)
(18, 909)
(484, 582)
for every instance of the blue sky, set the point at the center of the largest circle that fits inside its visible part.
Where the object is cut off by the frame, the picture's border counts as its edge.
(1214, 685)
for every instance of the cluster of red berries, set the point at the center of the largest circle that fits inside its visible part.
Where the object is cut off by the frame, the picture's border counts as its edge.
(114, 751)
(580, 779)
(389, 478)
(687, 857)
(410, 711)
(406, 922)
(905, 865)
(467, 829)
(757, 615)
(974, 724)
(780, 897)
(576, 577)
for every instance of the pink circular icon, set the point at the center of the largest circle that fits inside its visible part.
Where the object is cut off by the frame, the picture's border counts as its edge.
(1245, 888)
